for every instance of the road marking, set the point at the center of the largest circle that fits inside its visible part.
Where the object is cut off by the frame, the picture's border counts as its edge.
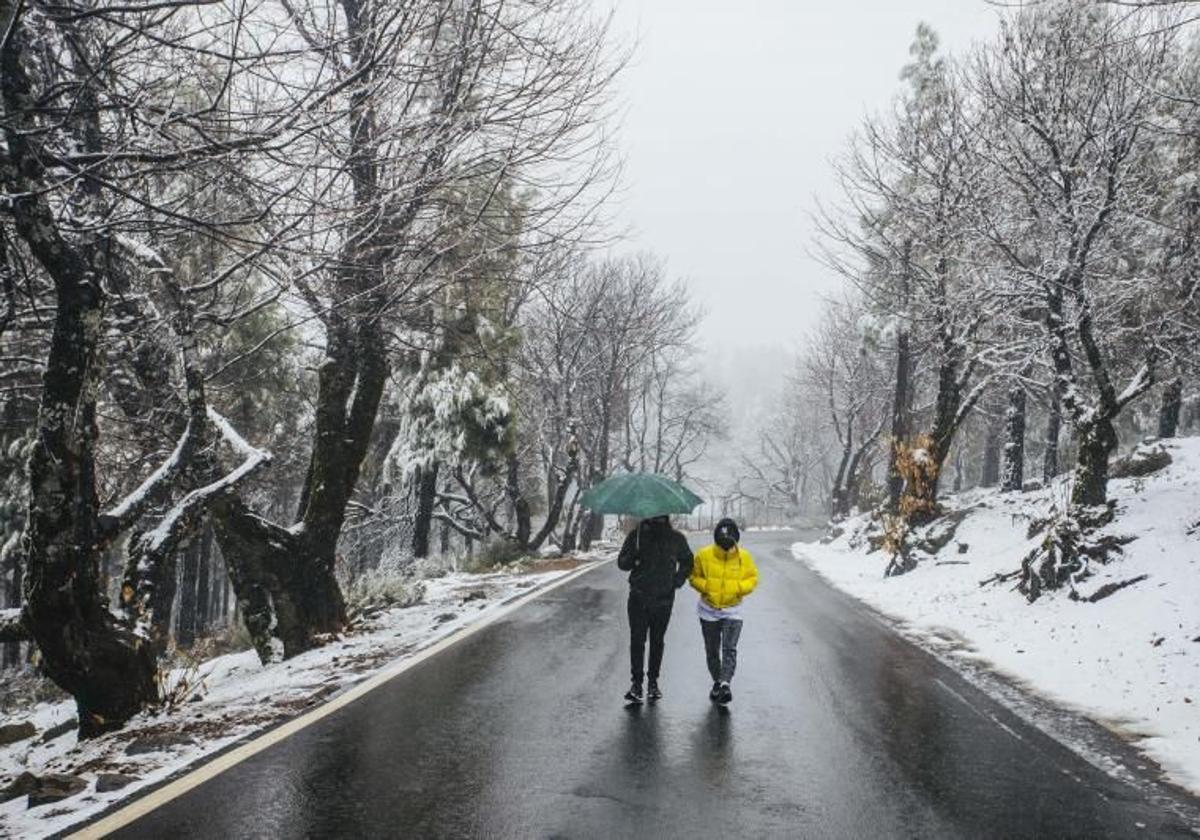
(988, 716)
(156, 799)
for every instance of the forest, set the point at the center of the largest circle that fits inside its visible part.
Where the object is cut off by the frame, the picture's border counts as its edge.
(1018, 240)
(298, 292)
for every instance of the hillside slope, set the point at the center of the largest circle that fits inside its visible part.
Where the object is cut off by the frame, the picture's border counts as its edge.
(1130, 660)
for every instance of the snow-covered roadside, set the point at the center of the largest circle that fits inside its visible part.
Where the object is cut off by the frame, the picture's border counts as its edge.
(234, 696)
(1130, 661)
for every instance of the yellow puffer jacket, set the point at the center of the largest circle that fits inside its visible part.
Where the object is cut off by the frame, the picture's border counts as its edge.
(723, 578)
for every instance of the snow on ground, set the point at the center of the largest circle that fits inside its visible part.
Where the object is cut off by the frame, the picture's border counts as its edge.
(232, 697)
(1131, 661)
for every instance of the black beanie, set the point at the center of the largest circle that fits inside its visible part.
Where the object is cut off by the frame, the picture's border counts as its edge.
(726, 528)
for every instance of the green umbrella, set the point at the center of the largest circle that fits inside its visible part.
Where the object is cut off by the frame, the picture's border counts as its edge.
(640, 494)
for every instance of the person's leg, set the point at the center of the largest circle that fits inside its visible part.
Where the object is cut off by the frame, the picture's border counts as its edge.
(660, 617)
(731, 631)
(711, 630)
(638, 626)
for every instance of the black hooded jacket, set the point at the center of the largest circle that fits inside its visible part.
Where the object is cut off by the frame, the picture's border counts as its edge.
(657, 558)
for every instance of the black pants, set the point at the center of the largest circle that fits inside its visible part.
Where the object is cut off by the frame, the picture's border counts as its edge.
(647, 616)
(720, 647)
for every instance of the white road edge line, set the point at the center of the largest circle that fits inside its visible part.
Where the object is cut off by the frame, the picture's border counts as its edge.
(140, 807)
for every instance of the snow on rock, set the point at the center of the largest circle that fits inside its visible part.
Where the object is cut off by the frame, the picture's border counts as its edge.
(229, 698)
(1131, 661)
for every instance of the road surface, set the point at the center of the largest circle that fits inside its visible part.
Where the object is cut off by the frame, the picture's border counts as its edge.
(839, 728)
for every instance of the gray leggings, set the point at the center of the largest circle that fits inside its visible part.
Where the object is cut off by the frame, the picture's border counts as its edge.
(720, 646)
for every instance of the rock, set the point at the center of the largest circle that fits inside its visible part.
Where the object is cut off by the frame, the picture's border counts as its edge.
(474, 595)
(1031, 485)
(55, 787)
(1144, 460)
(23, 784)
(108, 782)
(64, 728)
(963, 548)
(939, 534)
(444, 617)
(10, 733)
(154, 743)
(835, 531)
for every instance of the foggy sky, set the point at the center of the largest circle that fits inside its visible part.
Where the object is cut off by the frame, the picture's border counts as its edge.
(733, 111)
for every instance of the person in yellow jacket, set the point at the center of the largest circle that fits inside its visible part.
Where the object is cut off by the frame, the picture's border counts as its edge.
(723, 573)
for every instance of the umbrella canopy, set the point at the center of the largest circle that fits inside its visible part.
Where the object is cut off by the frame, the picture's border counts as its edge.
(640, 494)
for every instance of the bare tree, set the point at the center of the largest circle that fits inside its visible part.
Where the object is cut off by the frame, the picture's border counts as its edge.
(1069, 136)
(842, 369)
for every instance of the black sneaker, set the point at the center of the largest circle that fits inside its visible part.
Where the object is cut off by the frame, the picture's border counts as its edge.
(653, 692)
(715, 693)
(634, 694)
(724, 694)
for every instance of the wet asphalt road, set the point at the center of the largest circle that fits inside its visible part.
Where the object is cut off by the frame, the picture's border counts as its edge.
(838, 729)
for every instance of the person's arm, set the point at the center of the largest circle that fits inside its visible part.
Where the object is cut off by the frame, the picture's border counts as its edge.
(627, 559)
(749, 573)
(696, 578)
(684, 561)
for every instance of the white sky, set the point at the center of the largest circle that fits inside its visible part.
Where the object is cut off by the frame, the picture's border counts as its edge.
(733, 112)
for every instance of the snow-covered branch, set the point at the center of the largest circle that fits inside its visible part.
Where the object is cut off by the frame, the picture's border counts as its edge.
(1141, 382)
(149, 550)
(129, 509)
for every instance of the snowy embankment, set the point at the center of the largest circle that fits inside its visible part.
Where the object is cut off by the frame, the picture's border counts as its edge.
(229, 698)
(1129, 659)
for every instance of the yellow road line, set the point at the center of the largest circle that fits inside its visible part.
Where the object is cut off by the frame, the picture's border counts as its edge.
(156, 799)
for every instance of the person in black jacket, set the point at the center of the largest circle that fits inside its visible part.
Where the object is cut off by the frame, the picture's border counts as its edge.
(659, 561)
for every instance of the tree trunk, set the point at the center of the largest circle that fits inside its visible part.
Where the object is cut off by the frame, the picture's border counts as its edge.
(1014, 443)
(204, 578)
(1097, 441)
(284, 578)
(899, 427)
(840, 494)
(922, 495)
(556, 504)
(520, 505)
(284, 581)
(10, 652)
(1053, 430)
(426, 482)
(185, 628)
(107, 668)
(1168, 412)
(990, 472)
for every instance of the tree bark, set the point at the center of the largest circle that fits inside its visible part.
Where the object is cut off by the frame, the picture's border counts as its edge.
(89, 654)
(520, 505)
(990, 472)
(1014, 444)
(1050, 466)
(10, 652)
(1169, 410)
(185, 627)
(204, 578)
(426, 484)
(840, 494)
(899, 425)
(1097, 442)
